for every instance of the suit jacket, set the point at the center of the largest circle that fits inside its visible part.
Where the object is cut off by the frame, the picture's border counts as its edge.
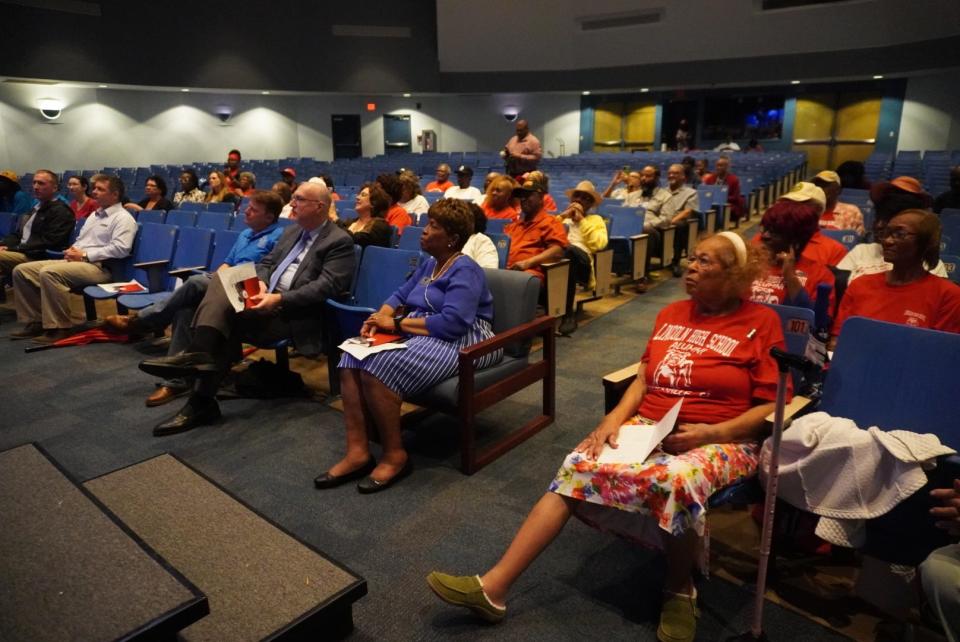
(326, 271)
(52, 225)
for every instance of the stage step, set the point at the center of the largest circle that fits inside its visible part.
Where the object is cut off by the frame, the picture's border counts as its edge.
(70, 571)
(262, 582)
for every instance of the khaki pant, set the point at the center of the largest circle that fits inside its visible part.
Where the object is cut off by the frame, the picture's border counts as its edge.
(10, 260)
(42, 289)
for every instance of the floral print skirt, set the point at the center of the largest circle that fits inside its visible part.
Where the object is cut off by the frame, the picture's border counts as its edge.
(666, 494)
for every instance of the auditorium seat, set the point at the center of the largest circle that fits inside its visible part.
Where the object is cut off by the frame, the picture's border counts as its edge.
(191, 254)
(181, 218)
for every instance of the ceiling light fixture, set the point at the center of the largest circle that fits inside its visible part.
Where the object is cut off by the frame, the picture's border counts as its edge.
(406, 95)
(644, 90)
(185, 90)
(264, 93)
(794, 82)
(50, 108)
(585, 93)
(878, 77)
(102, 86)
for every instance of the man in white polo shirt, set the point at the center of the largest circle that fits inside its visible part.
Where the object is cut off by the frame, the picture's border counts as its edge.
(42, 288)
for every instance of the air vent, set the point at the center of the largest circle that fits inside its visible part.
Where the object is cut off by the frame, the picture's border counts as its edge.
(371, 31)
(774, 5)
(620, 20)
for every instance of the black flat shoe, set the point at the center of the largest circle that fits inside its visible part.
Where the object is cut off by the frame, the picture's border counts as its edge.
(369, 485)
(188, 418)
(326, 480)
(185, 364)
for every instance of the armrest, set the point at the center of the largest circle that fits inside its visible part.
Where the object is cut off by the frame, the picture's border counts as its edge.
(554, 264)
(616, 383)
(196, 269)
(797, 405)
(149, 264)
(540, 325)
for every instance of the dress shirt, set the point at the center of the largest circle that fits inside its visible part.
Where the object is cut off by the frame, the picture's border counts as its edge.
(107, 234)
(527, 151)
(28, 226)
(286, 277)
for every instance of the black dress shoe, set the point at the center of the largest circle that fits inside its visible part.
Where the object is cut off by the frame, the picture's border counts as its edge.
(185, 364)
(326, 480)
(193, 415)
(369, 485)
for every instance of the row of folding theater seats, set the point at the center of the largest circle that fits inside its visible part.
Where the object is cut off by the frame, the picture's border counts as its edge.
(206, 219)
(162, 254)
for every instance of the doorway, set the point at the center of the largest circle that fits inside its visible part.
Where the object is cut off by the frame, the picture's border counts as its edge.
(624, 126)
(674, 111)
(345, 129)
(396, 133)
(833, 128)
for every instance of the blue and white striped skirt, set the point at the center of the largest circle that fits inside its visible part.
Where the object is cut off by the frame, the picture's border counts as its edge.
(425, 362)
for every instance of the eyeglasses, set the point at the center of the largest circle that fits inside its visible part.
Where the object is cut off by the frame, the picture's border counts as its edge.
(302, 199)
(703, 260)
(898, 234)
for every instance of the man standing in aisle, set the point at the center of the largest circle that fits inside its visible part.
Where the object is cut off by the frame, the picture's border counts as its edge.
(522, 152)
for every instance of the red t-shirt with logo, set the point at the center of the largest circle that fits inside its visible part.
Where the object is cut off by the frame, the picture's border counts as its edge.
(929, 302)
(772, 289)
(718, 364)
(434, 186)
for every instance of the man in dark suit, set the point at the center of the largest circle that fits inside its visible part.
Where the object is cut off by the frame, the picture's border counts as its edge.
(47, 226)
(311, 262)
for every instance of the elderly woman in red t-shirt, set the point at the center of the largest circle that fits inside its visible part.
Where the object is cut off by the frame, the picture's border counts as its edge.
(791, 278)
(908, 293)
(711, 351)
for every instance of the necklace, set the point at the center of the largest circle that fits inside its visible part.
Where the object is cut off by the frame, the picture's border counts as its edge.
(446, 264)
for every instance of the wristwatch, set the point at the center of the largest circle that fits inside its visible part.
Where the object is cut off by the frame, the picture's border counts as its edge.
(396, 322)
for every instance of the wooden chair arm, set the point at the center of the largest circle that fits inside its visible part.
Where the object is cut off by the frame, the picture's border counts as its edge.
(150, 264)
(540, 325)
(615, 383)
(797, 406)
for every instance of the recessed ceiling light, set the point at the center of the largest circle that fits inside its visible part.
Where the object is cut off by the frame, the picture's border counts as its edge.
(794, 82)
(185, 90)
(878, 77)
(644, 90)
(264, 93)
(102, 86)
(406, 95)
(585, 93)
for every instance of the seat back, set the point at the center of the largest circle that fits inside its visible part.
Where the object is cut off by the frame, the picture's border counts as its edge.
(797, 324)
(181, 218)
(411, 238)
(220, 207)
(151, 216)
(8, 223)
(194, 247)
(952, 263)
(223, 242)
(502, 243)
(381, 272)
(848, 238)
(514, 303)
(213, 220)
(895, 377)
(190, 206)
(496, 225)
(154, 242)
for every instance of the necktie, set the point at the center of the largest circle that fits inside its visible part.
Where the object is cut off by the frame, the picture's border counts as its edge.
(287, 260)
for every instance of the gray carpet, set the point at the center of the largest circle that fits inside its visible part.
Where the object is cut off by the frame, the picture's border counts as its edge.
(85, 406)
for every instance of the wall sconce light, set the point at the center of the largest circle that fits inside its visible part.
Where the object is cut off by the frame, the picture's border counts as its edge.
(50, 108)
(224, 112)
(510, 113)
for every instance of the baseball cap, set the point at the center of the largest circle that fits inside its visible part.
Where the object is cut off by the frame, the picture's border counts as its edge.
(289, 170)
(463, 169)
(804, 191)
(10, 175)
(828, 177)
(531, 183)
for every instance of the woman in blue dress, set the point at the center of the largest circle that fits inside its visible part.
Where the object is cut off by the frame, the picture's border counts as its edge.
(443, 307)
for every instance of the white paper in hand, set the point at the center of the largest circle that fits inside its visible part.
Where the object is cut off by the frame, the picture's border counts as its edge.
(635, 443)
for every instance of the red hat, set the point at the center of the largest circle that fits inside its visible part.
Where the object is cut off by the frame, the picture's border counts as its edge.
(289, 170)
(903, 183)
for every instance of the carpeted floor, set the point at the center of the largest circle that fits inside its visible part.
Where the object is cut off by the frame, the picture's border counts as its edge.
(85, 406)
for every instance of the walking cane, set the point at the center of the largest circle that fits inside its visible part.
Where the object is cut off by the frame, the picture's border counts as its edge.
(785, 361)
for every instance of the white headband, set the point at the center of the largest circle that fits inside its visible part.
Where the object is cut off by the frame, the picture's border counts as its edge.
(739, 247)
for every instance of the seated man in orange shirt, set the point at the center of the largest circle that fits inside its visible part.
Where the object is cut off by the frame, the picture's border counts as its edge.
(443, 182)
(538, 237)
